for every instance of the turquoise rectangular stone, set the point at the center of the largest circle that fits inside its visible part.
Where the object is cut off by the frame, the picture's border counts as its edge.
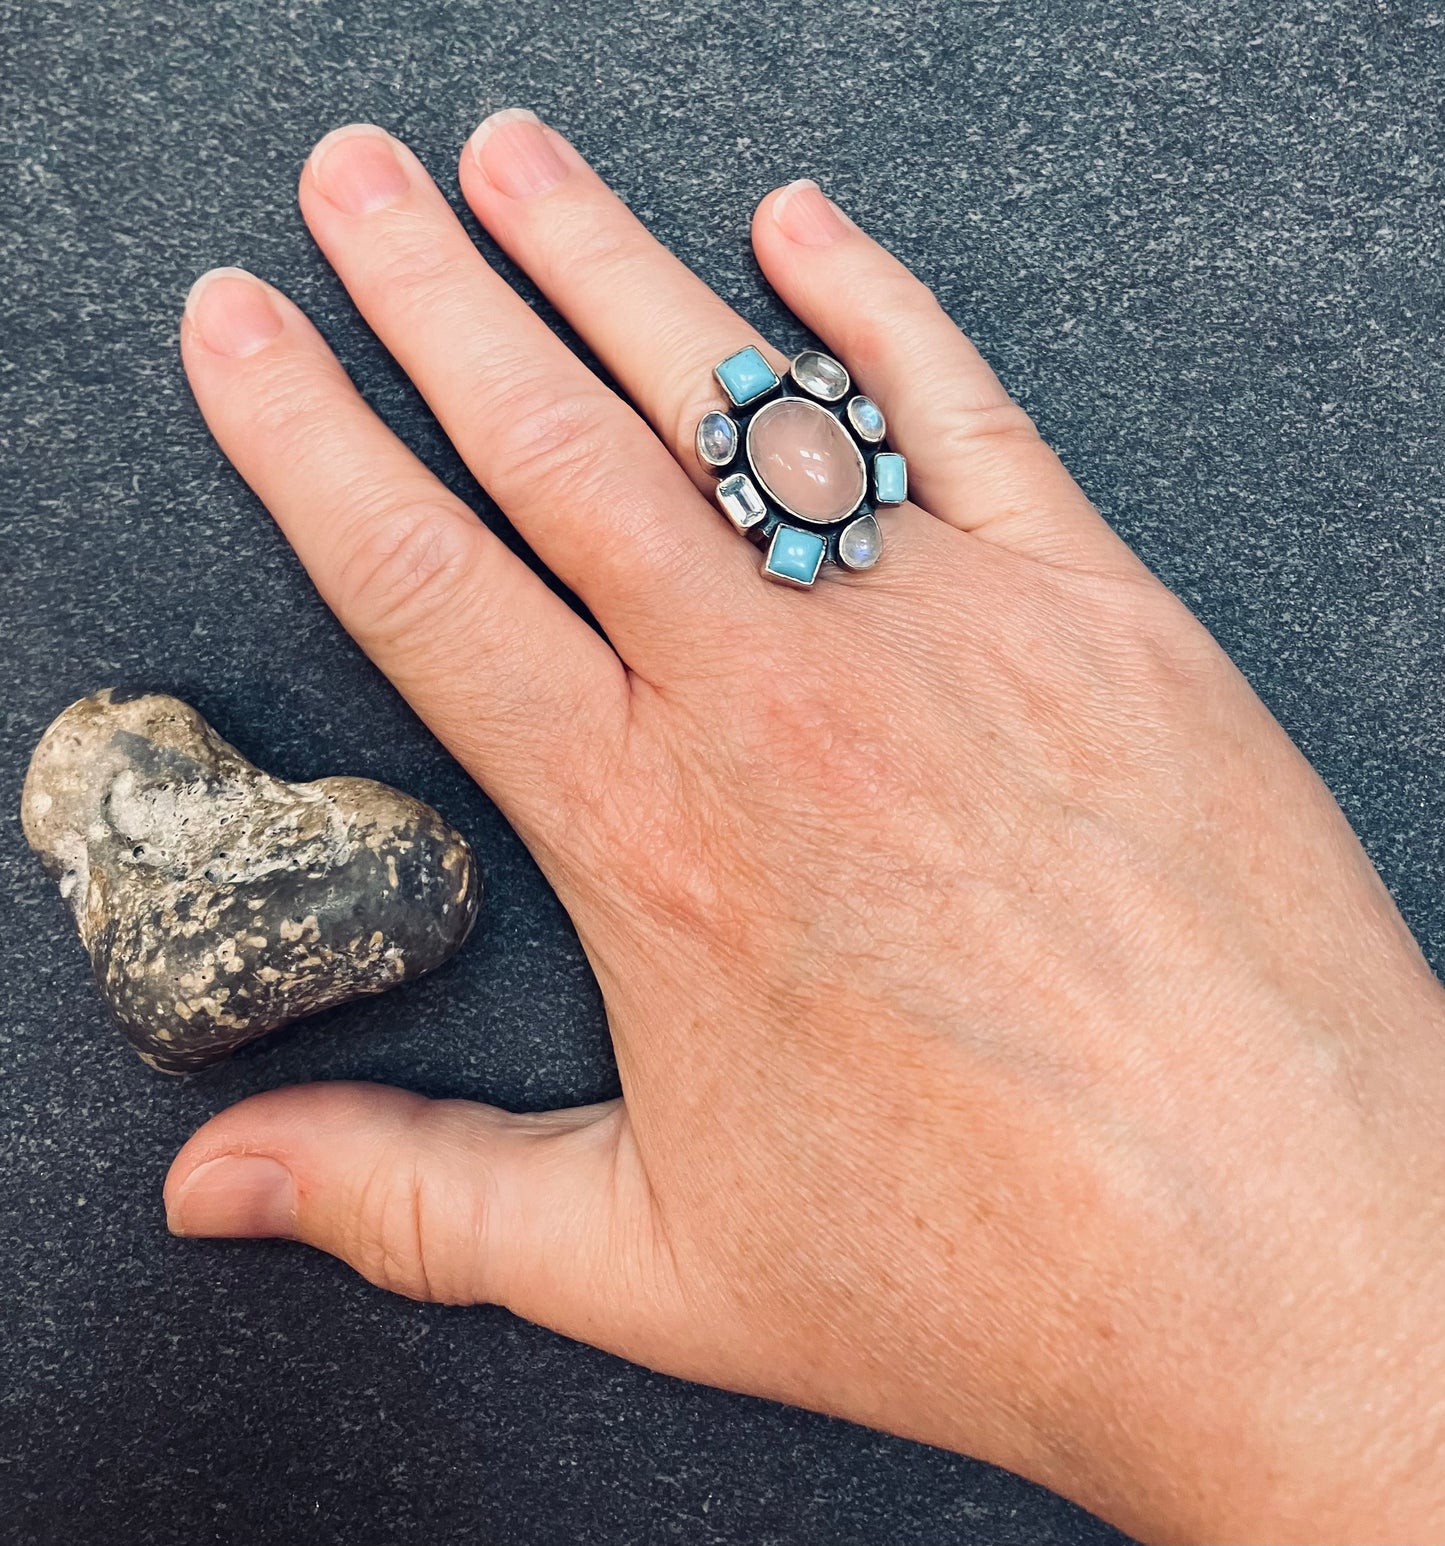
(890, 478)
(794, 556)
(745, 376)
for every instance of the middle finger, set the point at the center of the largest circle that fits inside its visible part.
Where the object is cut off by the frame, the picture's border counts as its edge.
(651, 321)
(575, 468)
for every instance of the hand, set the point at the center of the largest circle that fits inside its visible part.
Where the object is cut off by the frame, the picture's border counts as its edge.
(1019, 1051)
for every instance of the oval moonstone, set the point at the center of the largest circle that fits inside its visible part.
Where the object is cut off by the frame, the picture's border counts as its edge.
(867, 418)
(717, 439)
(806, 460)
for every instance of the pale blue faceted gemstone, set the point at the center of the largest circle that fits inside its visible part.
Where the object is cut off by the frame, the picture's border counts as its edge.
(866, 417)
(717, 439)
(890, 478)
(740, 501)
(745, 376)
(794, 556)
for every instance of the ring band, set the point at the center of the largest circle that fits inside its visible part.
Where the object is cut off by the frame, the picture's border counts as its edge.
(802, 464)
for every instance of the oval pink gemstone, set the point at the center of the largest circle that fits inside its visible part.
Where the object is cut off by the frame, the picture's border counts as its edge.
(806, 460)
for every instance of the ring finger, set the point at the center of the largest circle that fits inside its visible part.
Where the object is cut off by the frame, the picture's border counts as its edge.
(652, 322)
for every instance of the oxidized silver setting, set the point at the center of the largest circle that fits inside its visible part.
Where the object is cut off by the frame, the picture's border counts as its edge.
(797, 547)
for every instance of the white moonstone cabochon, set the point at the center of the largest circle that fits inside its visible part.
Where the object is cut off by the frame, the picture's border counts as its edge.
(717, 439)
(860, 545)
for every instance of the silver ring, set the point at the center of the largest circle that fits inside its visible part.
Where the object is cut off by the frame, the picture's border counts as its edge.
(802, 464)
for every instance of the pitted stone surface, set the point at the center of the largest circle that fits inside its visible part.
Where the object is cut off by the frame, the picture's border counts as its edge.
(219, 903)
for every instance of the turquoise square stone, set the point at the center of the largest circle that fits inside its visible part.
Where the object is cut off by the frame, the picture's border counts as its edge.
(890, 478)
(794, 556)
(745, 376)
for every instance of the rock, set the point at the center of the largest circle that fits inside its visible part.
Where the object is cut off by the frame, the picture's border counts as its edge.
(219, 903)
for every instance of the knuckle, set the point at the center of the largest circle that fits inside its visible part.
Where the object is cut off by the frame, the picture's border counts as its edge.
(905, 314)
(549, 440)
(680, 859)
(1170, 646)
(406, 565)
(414, 1230)
(673, 874)
(901, 308)
(295, 392)
(592, 798)
(839, 757)
(1135, 634)
(964, 430)
(411, 272)
(390, 1248)
(595, 243)
(664, 843)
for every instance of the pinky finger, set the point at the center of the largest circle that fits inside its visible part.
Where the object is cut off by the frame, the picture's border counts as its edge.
(975, 458)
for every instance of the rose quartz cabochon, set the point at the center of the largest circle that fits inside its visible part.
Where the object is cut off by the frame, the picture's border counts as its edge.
(806, 460)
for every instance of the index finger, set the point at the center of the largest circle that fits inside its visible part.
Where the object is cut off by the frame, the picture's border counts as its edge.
(500, 668)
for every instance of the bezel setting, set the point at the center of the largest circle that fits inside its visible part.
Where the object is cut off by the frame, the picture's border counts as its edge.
(861, 411)
(741, 502)
(709, 426)
(860, 543)
(796, 547)
(746, 377)
(795, 555)
(761, 417)
(890, 478)
(809, 371)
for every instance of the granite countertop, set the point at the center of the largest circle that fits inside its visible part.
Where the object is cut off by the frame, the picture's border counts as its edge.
(1200, 240)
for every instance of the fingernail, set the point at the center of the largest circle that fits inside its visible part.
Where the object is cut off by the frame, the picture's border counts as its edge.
(243, 1196)
(358, 170)
(516, 154)
(808, 216)
(233, 312)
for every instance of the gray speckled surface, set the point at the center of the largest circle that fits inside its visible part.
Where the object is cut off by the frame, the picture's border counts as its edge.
(217, 903)
(1201, 241)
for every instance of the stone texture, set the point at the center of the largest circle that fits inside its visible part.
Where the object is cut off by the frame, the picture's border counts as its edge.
(806, 460)
(890, 478)
(794, 556)
(745, 376)
(867, 419)
(740, 502)
(217, 902)
(1200, 242)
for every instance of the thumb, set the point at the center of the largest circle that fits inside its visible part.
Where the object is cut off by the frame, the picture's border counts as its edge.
(548, 1215)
